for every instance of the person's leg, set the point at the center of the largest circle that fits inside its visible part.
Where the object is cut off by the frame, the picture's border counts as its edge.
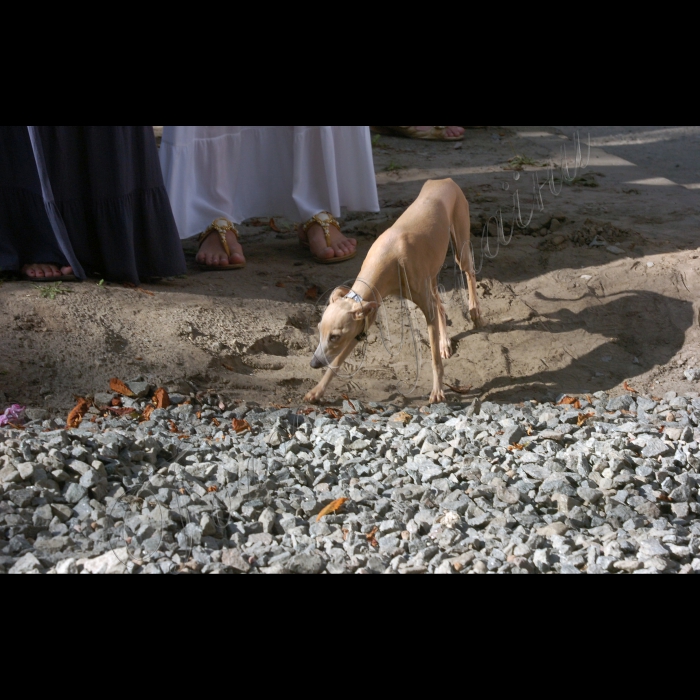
(333, 167)
(27, 241)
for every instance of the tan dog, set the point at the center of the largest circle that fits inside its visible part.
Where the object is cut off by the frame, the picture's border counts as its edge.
(411, 254)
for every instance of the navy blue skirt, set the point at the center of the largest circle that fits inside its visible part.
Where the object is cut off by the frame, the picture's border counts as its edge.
(101, 188)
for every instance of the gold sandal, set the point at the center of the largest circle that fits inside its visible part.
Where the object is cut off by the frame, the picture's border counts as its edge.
(437, 133)
(220, 226)
(325, 221)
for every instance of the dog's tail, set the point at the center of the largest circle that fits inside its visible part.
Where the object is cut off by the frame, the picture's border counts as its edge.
(461, 239)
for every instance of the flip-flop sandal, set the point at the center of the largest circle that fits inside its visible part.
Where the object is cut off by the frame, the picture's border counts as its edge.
(437, 133)
(221, 227)
(325, 221)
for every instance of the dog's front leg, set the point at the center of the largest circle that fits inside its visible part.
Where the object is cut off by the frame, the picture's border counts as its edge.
(316, 394)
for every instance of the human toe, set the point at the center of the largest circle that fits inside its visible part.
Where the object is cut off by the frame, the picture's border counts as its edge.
(66, 271)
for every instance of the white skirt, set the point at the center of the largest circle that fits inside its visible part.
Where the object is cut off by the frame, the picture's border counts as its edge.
(241, 172)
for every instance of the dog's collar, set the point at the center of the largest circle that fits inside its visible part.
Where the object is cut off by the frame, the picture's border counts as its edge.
(354, 296)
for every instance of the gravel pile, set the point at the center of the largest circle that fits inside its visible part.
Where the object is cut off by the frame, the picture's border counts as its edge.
(604, 485)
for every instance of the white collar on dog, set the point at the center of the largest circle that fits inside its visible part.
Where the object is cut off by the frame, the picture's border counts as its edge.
(355, 297)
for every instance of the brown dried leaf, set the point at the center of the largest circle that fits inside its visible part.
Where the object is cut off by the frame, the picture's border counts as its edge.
(627, 387)
(213, 489)
(584, 418)
(161, 399)
(228, 367)
(334, 413)
(567, 401)
(518, 447)
(529, 430)
(274, 226)
(332, 508)
(372, 539)
(312, 293)
(402, 417)
(118, 387)
(145, 291)
(173, 427)
(116, 402)
(75, 417)
(352, 405)
(147, 413)
(241, 426)
(463, 391)
(215, 422)
(281, 285)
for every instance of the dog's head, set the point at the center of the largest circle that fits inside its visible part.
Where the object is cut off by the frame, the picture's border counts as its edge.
(341, 328)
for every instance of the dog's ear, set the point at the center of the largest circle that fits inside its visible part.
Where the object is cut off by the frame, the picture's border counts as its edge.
(366, 310)
(339, 294)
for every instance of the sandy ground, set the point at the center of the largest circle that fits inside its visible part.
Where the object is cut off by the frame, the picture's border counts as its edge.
(563, 317)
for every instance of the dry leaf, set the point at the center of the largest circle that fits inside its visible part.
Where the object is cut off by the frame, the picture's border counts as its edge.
(145, 291)
(274, 226)
(216, 423)
(182, 492)
(663, 497)
(75, 418)
(334, 413)
(241, 426)
(121, 412)
(402, 417)
(312, 293)
(345, 535)
(147, 413)
(372, 539)
(352, 405)
(118, 387)
(332, 508)
(517, 447)
(199, 415)
(213, 489)
(589, 398)
(173, 427)
(582, 419)
(630, 389)
(529, 430)
(460, 390)
(281, 285)
(161, 399)
(567, 401)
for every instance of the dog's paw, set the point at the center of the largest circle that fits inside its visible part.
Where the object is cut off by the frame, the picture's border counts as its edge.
(446, 352)
(313, 397)
(437, 397)
(477, 318)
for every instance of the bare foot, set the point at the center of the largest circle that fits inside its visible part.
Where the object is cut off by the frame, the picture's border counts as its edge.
(340, 245)
(451, 131)
(46, 272)
(212, 253)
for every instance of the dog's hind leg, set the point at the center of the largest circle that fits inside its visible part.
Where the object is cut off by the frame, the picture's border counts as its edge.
(441, 314)
(461, 237)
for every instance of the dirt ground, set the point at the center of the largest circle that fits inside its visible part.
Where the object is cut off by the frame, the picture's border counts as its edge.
(563, 316)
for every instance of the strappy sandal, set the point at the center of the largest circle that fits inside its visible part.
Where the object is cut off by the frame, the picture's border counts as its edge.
(221, 227)
(325, 221)
(437, 133)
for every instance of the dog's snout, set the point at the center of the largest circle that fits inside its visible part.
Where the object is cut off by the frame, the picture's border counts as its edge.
(316, 363)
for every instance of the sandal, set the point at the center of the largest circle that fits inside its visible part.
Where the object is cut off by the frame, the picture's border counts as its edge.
(325, 221)
(220, 226)
(437, 133)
